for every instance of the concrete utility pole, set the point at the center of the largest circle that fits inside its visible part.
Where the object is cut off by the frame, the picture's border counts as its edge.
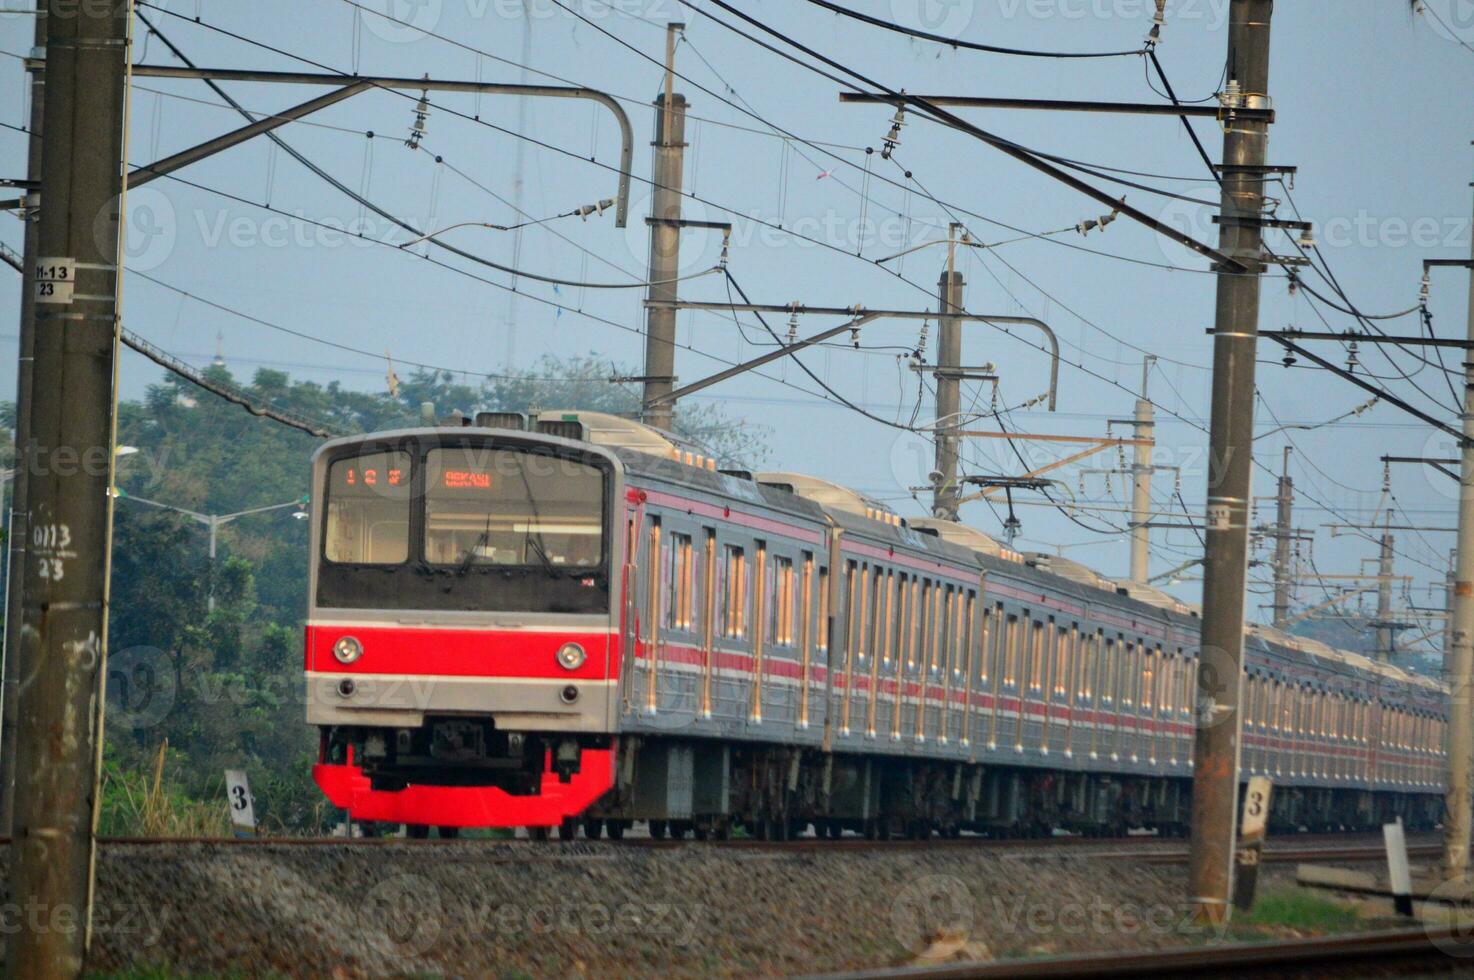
(1386, 633)
(1459, 803)
(946, 496)
(16, 543)
(1448, 619)
(1230, 467)
(665, 242)
(70, 463)
(1141, 481)
(1284, 575)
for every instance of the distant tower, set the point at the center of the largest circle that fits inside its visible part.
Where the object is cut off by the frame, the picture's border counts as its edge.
(219, 350)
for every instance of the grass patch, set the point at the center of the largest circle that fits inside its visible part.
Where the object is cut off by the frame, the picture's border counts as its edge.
(1295, 910)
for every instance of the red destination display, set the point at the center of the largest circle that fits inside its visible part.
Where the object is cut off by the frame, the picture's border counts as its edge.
(467, 480)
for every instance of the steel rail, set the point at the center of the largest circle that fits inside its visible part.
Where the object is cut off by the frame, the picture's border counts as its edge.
(1322, 954)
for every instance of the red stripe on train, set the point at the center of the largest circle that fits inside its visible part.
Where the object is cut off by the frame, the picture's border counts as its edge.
(460, 652)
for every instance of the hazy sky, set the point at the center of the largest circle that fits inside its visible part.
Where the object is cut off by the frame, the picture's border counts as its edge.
(1372, 103)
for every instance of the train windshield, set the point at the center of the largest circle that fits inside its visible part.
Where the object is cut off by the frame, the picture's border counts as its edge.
(465, 527)
(500, 507)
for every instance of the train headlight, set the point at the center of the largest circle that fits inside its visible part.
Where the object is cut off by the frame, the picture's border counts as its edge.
(347, 649)
(571, 656)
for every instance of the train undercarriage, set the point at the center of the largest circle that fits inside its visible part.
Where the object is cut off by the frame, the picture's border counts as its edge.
(455, 776)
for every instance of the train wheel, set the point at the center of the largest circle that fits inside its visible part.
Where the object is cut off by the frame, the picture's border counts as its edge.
(416, 831)
(568, 829)
(657, 829)
(722, 829)
(616, 829)
(593, 827)
(834, 830)
(537, 833)
(448, 833)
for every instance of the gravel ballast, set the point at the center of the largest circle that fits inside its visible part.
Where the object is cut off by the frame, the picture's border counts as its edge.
(474, 908)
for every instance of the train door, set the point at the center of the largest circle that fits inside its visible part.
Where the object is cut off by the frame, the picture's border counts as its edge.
(630, 619)
(651, 611)
(708, 617)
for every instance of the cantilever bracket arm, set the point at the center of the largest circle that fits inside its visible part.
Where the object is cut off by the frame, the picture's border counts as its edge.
(786, 350)
(1290, 345)
(350, 85)
(799, 309)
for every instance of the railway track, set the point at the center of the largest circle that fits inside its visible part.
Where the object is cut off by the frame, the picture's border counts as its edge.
(1401, 952)
(1147, 850)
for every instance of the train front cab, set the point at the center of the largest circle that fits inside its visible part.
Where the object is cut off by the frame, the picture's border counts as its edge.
(462, 646)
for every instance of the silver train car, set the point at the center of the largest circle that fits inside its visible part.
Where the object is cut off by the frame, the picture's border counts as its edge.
(773, 651)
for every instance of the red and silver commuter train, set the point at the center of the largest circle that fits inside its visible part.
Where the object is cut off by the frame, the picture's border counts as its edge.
(572, 619)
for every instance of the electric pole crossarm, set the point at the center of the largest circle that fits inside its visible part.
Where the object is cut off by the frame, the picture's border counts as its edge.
(626, 131)
(1064, 105)
(787, 350)
(1388, 397)
(184, 158)
(1367, 338)
(1441, 465)
(802, 310)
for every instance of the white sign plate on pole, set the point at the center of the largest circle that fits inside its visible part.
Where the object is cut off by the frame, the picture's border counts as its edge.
(242, 804)
(55, 279)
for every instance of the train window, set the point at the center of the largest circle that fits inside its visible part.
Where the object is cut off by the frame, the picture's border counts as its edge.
(876, 593)
(499, 507)
(708, 585)
(897, 621)
(734, 591)
(1011, 652)
(1148, 678)
(368, 510)
(680, 579)
(1036, 656)
(853, 607)
(1185, 682)
(1061, 661)
(914, 612)
(885, 626)
(781, 619)
(941, 607)
(985, 668)
(821, 621)
(805, 603)
(926, 624)
(966, 635)
(1083, 664)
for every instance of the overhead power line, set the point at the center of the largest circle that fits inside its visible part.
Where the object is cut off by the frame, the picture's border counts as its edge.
(229, 392)
(953, 42)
